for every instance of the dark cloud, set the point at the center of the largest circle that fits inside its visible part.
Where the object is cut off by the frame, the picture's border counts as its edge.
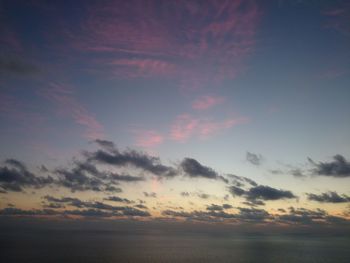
(329, 197)
(256, 194)
(130, 157)
(107, 145)
(14, 176)
(298, 216)
(236, 191)
(176, 213)
(304, 216)
(111, 188)
(214, 215)
(252, 214)
(253, 203)
(150, 194)
(339, 167)
(98, 206)
(118, 199)
(126, 178)
(141, 206)
(99, 211)
(214, 207)
(193, 168)
(12, 211)
(268, 193)
(84, 176)
(53, 205)
(129, 211)
(78, 179)
(65, 200)
(240, 181)
(226, 206)
(255, 159)
(91, 213)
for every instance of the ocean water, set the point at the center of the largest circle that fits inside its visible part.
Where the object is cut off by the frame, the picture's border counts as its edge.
(117, 246)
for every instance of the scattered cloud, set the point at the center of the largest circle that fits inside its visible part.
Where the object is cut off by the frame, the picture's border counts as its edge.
(126, 178)
(339, 167)
(193, 168)
(214, 207)
(131, 157)
(185, 126)
(118, 199)
(150, 194)
(253, 158)
(255, 195)
(329, 197)
(14, 176)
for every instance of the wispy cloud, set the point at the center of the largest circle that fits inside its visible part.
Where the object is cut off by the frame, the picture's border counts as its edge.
(148, 139)
(193, 43)
(186, 126)
(63, 97)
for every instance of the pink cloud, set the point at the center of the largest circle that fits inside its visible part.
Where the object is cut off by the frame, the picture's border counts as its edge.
(209, 128)
(67, 105)
(206, 102)
(195, 44)
(185, 126)
(149, 139)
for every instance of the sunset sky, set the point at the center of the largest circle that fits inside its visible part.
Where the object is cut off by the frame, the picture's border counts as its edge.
(204, 111)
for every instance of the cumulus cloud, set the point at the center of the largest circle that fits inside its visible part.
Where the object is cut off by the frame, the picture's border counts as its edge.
(214, 215)
(193, 168)
(329, 197)
(303, 216)
(214, 207)
(118, 199)
(126, 177)
(131, 157)
(255, 195)
(339, 167)
(14, 176)
(99, 206)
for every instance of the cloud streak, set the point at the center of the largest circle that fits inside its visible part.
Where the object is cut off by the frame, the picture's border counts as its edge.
(62, 96)
(186, 126)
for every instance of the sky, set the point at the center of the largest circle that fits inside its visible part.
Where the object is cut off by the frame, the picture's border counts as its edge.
(233, 112)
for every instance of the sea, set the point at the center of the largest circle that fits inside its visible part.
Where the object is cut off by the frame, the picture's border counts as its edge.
(89, 245)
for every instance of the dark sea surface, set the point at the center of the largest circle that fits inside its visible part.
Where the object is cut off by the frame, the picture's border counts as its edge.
(58, 245)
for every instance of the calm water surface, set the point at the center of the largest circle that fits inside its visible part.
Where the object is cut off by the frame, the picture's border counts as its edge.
(111, 246)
